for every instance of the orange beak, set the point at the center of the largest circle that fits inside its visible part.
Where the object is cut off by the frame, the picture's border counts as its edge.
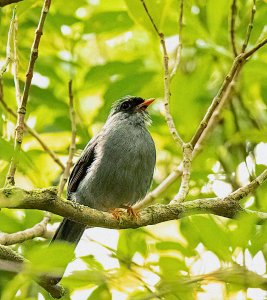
(146, 103)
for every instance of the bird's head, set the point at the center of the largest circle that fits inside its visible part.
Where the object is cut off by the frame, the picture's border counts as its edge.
(131, 105)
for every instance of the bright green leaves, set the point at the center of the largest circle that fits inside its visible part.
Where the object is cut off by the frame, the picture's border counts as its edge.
(110, 49)
(111, 21)
(217, 12)
(52, 259)
(101, 292)
(158, 10)
(103, 74)
(131, 241)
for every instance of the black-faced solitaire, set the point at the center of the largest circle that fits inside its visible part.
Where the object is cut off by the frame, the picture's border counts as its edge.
(116, 167)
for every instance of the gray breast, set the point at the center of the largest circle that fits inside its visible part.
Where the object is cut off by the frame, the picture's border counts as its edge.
(123, 167)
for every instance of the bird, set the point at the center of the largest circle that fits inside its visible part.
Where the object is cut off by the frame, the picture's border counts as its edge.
(116, 167)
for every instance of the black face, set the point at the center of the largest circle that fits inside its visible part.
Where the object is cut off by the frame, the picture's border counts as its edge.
(127, 104)
(130, 103)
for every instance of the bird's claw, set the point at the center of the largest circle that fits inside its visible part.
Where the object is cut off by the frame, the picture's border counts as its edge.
(119, 213)
(134, 213)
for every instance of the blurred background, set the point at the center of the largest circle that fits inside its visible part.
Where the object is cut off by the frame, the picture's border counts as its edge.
(110, 49)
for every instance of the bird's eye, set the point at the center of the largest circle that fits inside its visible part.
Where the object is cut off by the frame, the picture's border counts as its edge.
(125, 105)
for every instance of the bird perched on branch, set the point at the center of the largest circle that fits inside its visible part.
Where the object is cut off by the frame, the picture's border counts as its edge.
(116, 167)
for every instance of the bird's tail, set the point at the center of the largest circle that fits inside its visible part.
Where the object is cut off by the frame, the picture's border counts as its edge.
(68, 231)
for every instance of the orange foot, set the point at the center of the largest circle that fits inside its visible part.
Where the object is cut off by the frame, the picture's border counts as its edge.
(117, 213)
(132, 211)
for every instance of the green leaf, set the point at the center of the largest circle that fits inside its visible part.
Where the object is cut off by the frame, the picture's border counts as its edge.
(92, 262)
(53, 258)
(157, 9)
(216, 11)
(243, 231)
(108, 22)
(130, 242)
(84, 278)
(168, 245)
(171, 266)
(103, 74)
(101, 293)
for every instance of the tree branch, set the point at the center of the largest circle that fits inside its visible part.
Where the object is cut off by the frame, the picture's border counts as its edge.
(209, 119)
(184, 187)
(236, 66)
(8, 2)
(37, 230)
(72, 148)
(22, 108)
(167, 93)
(16, 61)
(48, 200)
(180, 44)
(232, 26)
(254, 49)
(8, 45)
(250, 26)
(15, 262)
(31, 131)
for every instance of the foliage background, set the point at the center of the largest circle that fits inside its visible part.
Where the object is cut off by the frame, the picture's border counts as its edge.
(110, 49)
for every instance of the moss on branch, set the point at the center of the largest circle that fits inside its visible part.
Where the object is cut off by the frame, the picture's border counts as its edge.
(47, 200)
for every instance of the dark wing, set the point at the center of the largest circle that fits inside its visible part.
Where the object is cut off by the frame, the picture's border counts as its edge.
(80, 168)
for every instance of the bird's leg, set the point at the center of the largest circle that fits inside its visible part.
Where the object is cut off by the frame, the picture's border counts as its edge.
(131, 211)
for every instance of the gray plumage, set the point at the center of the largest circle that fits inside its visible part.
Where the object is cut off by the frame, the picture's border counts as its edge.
(116, 167)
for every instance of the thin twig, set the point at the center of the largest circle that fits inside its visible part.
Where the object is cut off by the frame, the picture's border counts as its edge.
(22, 108)
(170, 179)
(250, 26)
(72, 147)
(33, 133)
(8, 45)
(168, 115)
(16, 61)
(37, 230)
(254, 49)
(184, 187)
(232, 27)
(237, 64)
(180, 44)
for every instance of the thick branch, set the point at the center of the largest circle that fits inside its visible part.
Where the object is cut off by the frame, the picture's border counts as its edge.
(8, 2)
(47, 199)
